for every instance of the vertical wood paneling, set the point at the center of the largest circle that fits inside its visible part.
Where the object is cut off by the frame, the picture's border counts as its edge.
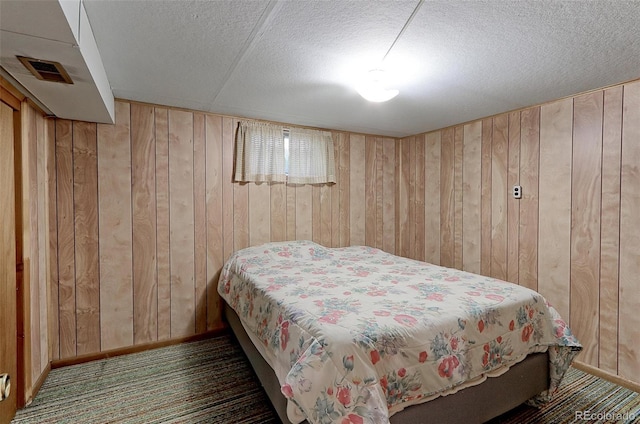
(629, 332)
(586, 189)
(499, 192)
(181, 221)
(610, 229)
(214, 201)
(316, 213)
(32, 239)
(291, 212)
(278, 212)
(85, 202)
(163, 228)
(486, 231)
(325, 218)
(513, 205)
(304, 212)
(370, 174)
(335, 196)
(344, 149)
(565, 236)
(472, 197)
(30, 252)
(404, 197)
(66, 240)
(554, 248)
(143, 200)
(419, 195)
(357, 189)
(200, 220)
(259, 213)
(228, 142)
(529, 164)
(240, 216)
(42, 360)
(411, 200)
(457, 183)
(380, 165)
(388, 195)
(115, 223)
(432, 198)
(9, 234)
(431, 218)
(240, 208)
(54, 302)
(447, 210)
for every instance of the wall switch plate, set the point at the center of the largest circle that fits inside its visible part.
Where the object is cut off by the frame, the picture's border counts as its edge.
(517, 192)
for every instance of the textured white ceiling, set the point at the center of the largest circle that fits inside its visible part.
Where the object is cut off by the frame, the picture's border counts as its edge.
(297, 61)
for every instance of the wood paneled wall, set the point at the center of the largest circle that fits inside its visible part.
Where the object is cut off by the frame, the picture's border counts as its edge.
(33, 246)
(8, 280)
(573, 236)
(146, 213)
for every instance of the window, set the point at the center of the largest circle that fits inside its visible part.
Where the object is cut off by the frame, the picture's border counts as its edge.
(267, 152)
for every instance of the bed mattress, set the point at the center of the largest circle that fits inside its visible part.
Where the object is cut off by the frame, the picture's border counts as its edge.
(356, 334)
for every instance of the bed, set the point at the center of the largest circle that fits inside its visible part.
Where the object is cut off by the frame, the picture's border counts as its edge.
(357, 335)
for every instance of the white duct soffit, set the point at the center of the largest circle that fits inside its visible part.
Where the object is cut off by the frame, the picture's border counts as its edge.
(56, 31)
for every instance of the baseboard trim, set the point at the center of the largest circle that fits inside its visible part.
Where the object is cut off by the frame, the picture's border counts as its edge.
(59, 363)
(28, 398)
(590, 369)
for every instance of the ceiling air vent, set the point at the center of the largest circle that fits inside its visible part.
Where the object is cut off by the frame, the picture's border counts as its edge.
(46, 70)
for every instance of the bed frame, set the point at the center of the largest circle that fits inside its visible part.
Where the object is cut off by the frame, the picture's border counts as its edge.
(476, 404)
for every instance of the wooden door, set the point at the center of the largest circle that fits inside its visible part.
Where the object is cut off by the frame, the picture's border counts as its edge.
(8, 336)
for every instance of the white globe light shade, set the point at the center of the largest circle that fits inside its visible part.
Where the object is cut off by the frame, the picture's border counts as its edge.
(373, 87)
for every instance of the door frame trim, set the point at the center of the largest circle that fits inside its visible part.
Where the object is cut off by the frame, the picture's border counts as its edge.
(13, 98)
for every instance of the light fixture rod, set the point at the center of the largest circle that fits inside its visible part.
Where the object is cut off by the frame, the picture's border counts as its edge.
(403, 28)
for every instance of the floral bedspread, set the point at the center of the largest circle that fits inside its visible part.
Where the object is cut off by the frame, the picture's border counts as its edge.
(356, 334)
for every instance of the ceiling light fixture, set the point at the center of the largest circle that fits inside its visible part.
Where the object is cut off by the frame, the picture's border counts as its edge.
(374, 85)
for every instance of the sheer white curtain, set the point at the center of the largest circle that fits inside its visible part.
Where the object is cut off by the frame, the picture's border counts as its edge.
(311, 157)
(259, 152)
